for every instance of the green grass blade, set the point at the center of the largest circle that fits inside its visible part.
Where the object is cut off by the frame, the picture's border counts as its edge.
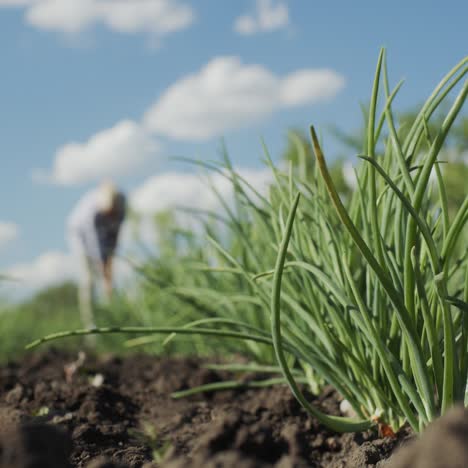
(333, 422)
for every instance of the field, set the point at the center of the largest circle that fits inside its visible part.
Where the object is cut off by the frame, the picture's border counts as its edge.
(314, 323)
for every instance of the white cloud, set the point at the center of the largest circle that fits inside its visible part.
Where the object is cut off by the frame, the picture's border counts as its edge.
(226, 94)
(175, 190)
(172, 189)
(165, 191)
(49, 268)
(157, 17)
(110, 153)
(267, 17)
(54, 267)
(308, 86)
(8, 233)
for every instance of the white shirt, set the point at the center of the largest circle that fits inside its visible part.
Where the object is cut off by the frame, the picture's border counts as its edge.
(95, 235)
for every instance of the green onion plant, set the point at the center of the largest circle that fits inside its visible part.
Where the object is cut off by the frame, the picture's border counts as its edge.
(367, 293)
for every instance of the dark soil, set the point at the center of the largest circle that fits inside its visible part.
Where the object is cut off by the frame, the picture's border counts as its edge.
(57, 411)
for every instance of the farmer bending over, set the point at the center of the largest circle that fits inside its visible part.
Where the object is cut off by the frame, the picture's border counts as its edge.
(93, 229)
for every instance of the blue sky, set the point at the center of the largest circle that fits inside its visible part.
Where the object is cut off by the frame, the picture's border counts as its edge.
(114, 87)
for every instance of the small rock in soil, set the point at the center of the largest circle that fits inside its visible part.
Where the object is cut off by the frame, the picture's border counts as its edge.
(444, 444)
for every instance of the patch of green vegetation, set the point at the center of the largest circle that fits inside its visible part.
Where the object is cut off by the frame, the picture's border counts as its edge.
(54, 308)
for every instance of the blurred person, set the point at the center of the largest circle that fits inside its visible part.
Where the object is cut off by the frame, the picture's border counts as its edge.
(93, 230)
